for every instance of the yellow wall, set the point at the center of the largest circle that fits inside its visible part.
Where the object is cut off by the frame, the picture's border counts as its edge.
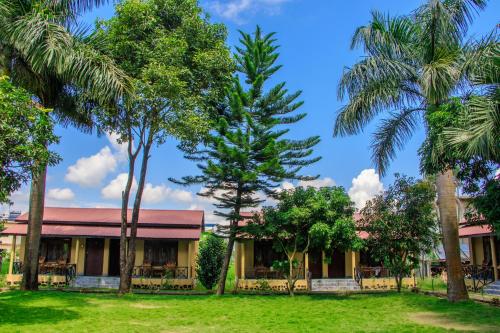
(105, 259)
(20, 243)
(478, 253)
(80, 265)
(139, 252)
(182, 254)
(237, 261)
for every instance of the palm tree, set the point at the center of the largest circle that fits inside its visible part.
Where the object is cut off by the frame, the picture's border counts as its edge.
(413, 64)
(478, 136)
(43, 50)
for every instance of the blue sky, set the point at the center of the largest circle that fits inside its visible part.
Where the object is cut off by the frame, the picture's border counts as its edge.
(314, 38)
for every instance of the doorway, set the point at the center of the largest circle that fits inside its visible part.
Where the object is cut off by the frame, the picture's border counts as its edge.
(114, 257)
(94, 251)
(336, 269)
(315, 264)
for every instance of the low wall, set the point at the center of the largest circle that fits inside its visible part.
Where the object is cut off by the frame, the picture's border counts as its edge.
(156, 283)
(44, 280)
(386, 283)
(263, 285)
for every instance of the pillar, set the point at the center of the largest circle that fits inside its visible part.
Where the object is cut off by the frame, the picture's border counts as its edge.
(353, 263)
(471, 253)
(12, 254)
(306, 264)
(105, 258)
(494, 258)
(243, 260)
(189, 259)
(77, 254)
(324, 268)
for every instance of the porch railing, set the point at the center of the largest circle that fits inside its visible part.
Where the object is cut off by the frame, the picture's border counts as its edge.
(67, 270)
(481, 276)
(178, 272)
(271, 274)
(361, 273)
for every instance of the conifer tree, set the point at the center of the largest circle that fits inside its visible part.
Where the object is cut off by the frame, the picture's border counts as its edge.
(247, 153)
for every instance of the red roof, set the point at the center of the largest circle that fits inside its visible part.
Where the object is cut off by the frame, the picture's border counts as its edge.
(474, 230)
(105, 222)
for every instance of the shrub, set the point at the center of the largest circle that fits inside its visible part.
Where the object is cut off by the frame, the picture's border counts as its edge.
(209, 261)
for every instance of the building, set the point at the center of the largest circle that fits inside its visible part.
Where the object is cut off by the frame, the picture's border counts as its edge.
(349, 270)
(81, 246)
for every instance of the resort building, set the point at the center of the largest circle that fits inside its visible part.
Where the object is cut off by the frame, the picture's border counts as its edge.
(317, 270)
(81, 247)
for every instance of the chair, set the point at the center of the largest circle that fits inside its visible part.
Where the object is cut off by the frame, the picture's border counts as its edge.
(146, 269)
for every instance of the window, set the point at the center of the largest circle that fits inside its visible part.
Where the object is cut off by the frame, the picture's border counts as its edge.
(55, 249)
(265, 254)
(159, 252)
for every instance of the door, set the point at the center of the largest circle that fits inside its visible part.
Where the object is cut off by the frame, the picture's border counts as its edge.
(336, 269)
(315, 265)
(94, 251)
(114, 257)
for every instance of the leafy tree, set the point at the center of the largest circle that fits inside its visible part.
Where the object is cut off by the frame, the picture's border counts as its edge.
(486, 206)
(304, 219)
(179, 65)
(25, 128)
(401, 225)
(413, 64)
(246, 153)
(43, 50)
(209, 260)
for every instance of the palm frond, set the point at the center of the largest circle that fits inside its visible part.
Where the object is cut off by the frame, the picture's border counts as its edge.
(392, 134)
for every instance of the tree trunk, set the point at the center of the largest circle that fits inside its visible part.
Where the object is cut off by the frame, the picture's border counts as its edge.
(135, 214)
(399, 281)
(33, 235)
(227, 259)
(124, 282)
(446, 188)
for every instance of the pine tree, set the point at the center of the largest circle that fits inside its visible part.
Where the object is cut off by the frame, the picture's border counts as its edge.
(247, 154)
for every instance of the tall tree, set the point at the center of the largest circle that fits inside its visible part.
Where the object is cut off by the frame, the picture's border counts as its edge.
(401, 225)
(25, 128)
(43, 50)
(246, 152)
(305, 219)
(413, 64)
(180, 65)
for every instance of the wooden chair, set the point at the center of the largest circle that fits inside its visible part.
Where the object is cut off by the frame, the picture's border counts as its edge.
(146, 269)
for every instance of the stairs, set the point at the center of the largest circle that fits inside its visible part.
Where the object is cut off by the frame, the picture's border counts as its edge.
(493, 288)
(110, 282)
(327, 285)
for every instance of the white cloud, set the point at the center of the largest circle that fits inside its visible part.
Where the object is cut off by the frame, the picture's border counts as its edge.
(60, 194)
(317, 183)
(155, 194)
(115, 188)
(365, 186)
(235, 10)
(91, 171)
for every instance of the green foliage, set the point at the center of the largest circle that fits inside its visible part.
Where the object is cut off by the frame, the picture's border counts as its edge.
(25, 130)
(485, 205)
(179, 64)
(209, 260)
(401, 224)
(305, 219)
(246, 151)
(412, 65)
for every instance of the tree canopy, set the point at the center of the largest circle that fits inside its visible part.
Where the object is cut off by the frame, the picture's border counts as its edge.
(401, 225)
(307, 219)
(247, 152)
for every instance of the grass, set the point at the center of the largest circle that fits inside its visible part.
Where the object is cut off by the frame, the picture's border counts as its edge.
(432, 284)
(388, 312)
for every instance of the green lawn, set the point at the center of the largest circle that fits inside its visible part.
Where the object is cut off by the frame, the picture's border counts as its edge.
(390, 312)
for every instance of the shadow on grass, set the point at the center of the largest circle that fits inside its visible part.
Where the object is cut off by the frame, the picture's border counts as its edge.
(25, 315)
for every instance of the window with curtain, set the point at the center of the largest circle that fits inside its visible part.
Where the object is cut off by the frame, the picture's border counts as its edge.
(55, 249)
(265, 254)
(159, 252)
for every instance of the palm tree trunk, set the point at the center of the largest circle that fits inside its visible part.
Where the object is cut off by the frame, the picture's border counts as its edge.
(449, 224)
(33, 235)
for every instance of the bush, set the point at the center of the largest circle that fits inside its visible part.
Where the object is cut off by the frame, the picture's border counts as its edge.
(209, 261)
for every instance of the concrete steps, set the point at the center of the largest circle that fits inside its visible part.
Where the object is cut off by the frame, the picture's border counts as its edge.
(334, 285)
(492, 289)
(110, 282)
